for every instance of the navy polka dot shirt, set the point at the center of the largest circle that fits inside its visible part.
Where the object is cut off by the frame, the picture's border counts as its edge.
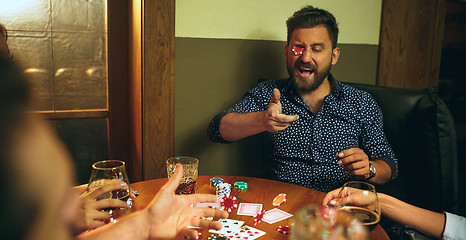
(304, 153)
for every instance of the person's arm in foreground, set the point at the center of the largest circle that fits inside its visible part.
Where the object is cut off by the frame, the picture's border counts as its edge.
(167, 216)
(432, 223)
(235, 126)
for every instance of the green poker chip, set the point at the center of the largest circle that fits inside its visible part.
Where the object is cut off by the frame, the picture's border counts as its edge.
(241, 185)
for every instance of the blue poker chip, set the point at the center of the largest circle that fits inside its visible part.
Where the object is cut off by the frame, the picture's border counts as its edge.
(224, 185)
(215, 181)
(223, 189)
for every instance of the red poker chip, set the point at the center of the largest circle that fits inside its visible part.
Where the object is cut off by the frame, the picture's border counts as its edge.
(284, 229)
(259, 217)
(297, 50)
(229, 203)
(279, 199)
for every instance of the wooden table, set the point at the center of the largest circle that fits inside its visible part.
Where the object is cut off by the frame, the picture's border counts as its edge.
(259, 191)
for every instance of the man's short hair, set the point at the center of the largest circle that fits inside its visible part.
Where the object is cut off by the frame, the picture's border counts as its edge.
(309, 17)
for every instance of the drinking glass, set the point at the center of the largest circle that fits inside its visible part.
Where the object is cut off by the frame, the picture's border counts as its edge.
(190, 173)
(109, 171)
(314, 222)
(360, 199)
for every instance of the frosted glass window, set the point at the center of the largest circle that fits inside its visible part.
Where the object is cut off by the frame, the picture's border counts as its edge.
(62, 44)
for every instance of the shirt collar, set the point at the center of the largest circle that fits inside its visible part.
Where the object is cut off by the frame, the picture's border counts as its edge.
(336, 86)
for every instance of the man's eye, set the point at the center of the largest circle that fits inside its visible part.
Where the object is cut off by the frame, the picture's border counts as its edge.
(297, 50)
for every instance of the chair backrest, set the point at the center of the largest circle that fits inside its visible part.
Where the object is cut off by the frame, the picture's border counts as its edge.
(421, 131)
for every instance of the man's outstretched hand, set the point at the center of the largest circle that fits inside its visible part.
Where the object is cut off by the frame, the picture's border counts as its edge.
(274, 119)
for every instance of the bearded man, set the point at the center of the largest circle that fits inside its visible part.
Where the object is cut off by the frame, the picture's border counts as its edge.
(321, 133)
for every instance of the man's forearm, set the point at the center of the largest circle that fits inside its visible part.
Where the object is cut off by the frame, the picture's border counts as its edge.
(427, 221)
(383, 174)
(235, 126)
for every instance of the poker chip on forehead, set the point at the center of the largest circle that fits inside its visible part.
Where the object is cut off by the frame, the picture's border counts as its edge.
(229, 203)
(284, 229)
(217, 237)
(215, 181)
(241, 185)
(279, 200)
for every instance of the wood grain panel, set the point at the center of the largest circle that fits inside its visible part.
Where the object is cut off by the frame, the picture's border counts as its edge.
(410, 43)
(158, 86)
(135, 89)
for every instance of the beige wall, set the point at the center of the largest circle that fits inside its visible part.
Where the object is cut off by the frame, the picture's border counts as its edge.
(359, 20)
(214, 67)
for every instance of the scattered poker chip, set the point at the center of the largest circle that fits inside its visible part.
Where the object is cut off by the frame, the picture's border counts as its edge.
(259, 217)
(218, 237)
(284, 229)
(279, 200)
(129, 202)
(229, 203)
(215, 181)
(241, 185)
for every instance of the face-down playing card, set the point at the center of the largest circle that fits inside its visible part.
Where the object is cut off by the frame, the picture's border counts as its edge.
(249, 209)
(275, 215)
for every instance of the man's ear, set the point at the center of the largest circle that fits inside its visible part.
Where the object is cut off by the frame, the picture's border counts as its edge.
(335, 55)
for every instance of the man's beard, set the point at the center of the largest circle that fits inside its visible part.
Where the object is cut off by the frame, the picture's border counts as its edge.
(309, 84)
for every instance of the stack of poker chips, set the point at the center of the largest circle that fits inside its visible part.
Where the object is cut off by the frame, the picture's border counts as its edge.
(223, 189)
(215, 181)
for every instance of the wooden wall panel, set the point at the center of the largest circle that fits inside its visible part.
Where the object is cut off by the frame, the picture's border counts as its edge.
(135, 89)
(158, 85)
(410, 43)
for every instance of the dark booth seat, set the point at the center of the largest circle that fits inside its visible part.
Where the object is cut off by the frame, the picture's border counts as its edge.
(421, 131)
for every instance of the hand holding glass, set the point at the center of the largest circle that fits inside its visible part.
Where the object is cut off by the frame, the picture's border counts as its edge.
(109, 171)
(360, 199)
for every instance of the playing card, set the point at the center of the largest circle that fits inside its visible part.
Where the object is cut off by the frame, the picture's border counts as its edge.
(275, 215)
(247, 232)
(249, 209)
(207, 204)
(229, 228)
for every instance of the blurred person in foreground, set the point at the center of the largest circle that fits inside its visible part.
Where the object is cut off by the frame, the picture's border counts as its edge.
(89, 214)
(439, 225)
(36, 177)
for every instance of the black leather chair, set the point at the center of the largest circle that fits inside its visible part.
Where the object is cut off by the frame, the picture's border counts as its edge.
(422, 134)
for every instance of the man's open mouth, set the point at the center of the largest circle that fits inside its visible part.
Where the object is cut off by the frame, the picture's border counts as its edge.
(305, 72)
